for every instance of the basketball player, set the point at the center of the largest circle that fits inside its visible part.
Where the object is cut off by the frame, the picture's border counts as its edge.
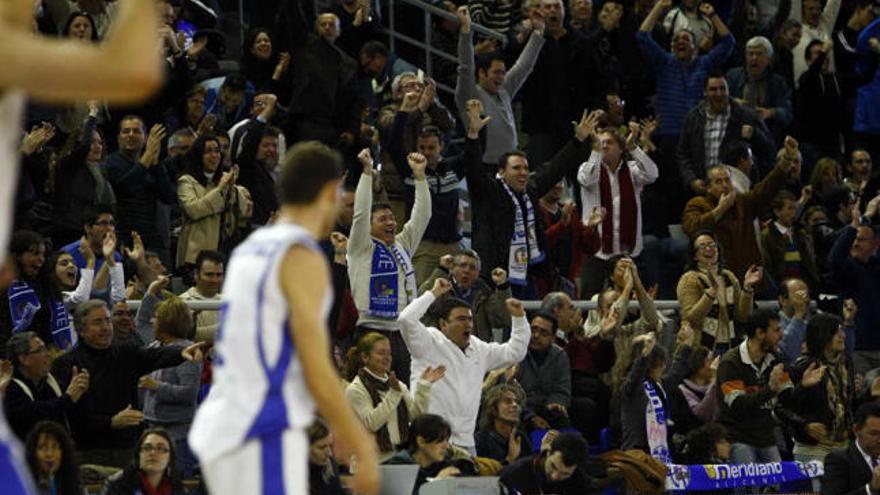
(272, 363)
(125, 68)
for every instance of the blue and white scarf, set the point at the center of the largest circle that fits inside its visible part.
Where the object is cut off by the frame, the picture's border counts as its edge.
(687, 478)
(524, 250)
(23, 307)
(656, 422)
(384, 293)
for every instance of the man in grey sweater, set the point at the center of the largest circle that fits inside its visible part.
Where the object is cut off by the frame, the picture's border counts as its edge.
(493, 85)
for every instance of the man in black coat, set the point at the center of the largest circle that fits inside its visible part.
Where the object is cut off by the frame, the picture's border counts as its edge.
(496, 200)
(855, 470)
(104, 422)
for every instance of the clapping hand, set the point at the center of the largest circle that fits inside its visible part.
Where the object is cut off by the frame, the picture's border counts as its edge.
(85, 249)
(813, 375)
(597, 215)
(753, 277)
(194, 352)
(136, 253)
(434, 374)
(587, 126)
(476, 121)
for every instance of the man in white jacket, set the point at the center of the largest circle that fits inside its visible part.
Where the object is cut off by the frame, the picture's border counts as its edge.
(456, 398)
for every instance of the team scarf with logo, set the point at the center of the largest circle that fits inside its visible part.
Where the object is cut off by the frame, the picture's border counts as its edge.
(384, 290)
(24, 305)
(524, 249)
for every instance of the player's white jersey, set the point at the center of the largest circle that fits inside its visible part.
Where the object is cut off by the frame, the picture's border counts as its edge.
(11, 109)
(259, 389)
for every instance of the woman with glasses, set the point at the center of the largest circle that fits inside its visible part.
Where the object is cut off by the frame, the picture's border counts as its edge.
(153, 471)
(711, 297)
(213, 206)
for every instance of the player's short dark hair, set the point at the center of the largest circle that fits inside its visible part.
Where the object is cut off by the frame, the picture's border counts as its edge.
(760, 319)
(305, 170)
(209, 255)
(571, 446)
(505, 157)
(446, 306)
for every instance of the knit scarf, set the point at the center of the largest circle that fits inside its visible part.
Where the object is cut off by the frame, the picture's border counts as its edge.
(837, 391)
(384, 292)
(164, 487)
(628, 210)
(374, 386)
(656, 422)
(524, 249)
(24, 305)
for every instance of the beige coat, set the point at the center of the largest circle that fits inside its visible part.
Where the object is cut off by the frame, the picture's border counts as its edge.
(203, 215)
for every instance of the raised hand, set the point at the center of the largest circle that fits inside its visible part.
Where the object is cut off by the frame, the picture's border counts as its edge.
(85, 249)
(410, 102)
(281, 67)
(499, 276)
(727, 200)
(447, 261)
(849, 312)
(587, 126)
(806, 194)
(79, 383)
(426, 99)
(136, 253)
(685, 334)
(476, 121)
(632, 138)
(813, 375)
(515, 307)
(464, 19)
(610, 321)
(441, 286)
(650, 342)
(663, 4)
(339, 242)
(537, 19)
(434, 374)
(157, 286)
(514, 446)
(707, 10)
(418, 163)
(366, 159)
(777, 377)
(753, 276)
(108, 246)
(791, 147)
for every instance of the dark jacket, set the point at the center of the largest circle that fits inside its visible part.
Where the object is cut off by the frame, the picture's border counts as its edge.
(691, 154)
(846, 472)
(778, 95)
(776, 244)
(819, 105)
(526, 476)
(493, 212)
(491, 444)
(635, 401)
(861, 282)
(254, 175)
(548, 383)
(138, 189)
(23, 413)
(814, 406)
(113, 379)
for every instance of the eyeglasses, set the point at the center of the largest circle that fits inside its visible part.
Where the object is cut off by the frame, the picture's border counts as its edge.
(150, 448)
(105, 223)
(707, 245)
(38, 350)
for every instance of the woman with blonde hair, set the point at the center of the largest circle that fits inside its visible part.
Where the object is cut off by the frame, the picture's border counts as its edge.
(825, 175)
(382, 402)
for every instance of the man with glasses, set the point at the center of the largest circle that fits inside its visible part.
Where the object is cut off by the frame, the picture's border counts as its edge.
(545, 375)
(491, 319)
(34, 394)
(100, 231)
(856, 267)
(104, 422)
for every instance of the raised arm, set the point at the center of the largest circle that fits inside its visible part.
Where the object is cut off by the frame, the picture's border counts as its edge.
(520, 71)
(466, 82)
(514, 350)
(359, 236)
(415, 334)
(414, 229)
(125, 68)
(654, 15)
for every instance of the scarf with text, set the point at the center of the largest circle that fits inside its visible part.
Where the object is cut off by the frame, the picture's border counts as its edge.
(656, 422)
(524, 249)
(384, 290)
(24, 303)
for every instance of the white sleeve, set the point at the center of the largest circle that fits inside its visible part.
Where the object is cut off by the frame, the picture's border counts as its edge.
(646, 171)
(514, 350)
(83, 289)
(416, 336)
(117, 283)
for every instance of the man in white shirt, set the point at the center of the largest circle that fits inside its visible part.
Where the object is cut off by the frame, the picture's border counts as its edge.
(467, 359)
(208, 276)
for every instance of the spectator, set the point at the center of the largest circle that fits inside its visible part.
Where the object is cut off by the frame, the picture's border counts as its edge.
(687, 17)
(102, 12)
(788, 250)
(783, 62)
(430, 448)
(851, 470)
(380, 260)
(611, 182)
(261, 64)
(867, 119)
(711, 297)
(557, 470)
(567, 77)
(124, 332)
(381, 68)
(153, 470)
(190, 114)
(817, 23)
(443, 175)
(493, 86)
(100, 237)
(732, 215)
(324, 103)
(846, 39)
(581, 16)
(228, 99)
(694, 403)
(645, 406)
(794, 310)
(708, 444)
(752, 380)
(84, 185)
(712, 124)
(52, 460)
(503, 205)
(568, 238)
(681, 72)
(856, 267)
(169, 394)
(139, 180)
(487, 301)
(568, 318)
(457, 398)
(359, 24)
(263, 100)
(208, 276)
(858, 170)
(103, 422)
(825, 411)
(210, 202)
(34, 394)
(383, 404)
(818, 103)
(497, 16)
(757, 87)
(258, 158)
(545, 375)
(737, 157)
(323, 471)
(825, 175)
(500, 436)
